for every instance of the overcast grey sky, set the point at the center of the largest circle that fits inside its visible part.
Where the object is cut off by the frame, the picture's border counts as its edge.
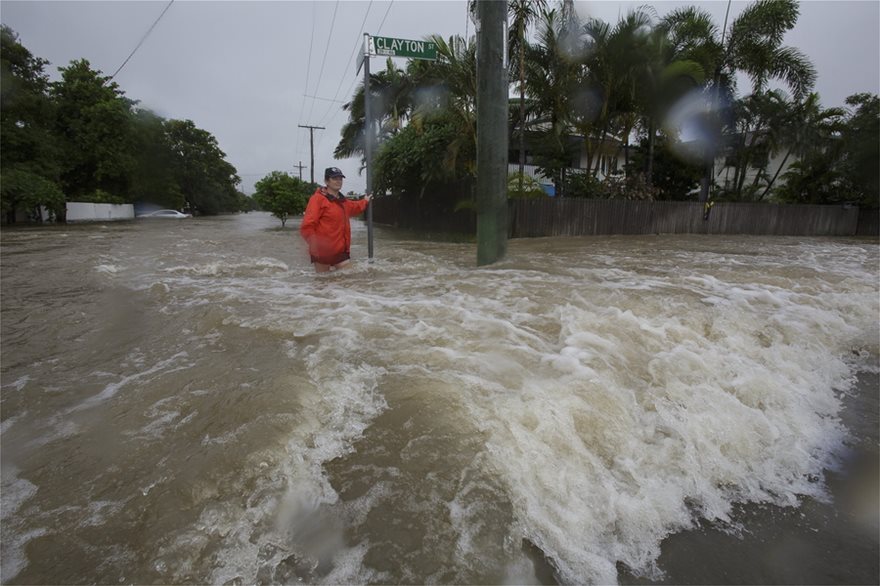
(251, 72)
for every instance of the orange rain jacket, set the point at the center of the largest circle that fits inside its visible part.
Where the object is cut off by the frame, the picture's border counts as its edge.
(325, 226)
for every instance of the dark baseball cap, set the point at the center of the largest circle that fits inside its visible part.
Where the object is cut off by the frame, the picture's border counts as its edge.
(333, 172)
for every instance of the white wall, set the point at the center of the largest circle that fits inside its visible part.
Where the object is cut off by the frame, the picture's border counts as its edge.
(90, 212)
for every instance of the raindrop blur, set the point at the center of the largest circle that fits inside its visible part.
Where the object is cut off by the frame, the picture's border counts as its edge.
(431, 96)
(692, 126)
(587, 103)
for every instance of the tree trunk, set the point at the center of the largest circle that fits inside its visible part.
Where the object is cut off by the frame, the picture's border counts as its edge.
(711, 146)
(745, 161)
(649, 165)
(599, 150)
(590, 152)
(775, 175)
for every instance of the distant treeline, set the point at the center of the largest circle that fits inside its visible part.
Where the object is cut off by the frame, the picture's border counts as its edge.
(81, 139)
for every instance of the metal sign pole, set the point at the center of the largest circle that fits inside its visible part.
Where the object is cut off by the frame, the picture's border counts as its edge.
(392, 48)
(368, 142)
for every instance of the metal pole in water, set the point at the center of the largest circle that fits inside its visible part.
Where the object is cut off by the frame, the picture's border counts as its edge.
(368, 142)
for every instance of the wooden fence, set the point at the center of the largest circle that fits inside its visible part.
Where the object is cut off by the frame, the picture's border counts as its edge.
(530, 218)
(577, 217)
(869, 222)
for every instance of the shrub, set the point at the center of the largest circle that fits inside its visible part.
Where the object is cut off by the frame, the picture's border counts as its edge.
(531, 189)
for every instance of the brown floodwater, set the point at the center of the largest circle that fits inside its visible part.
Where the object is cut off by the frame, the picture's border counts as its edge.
(187, 402)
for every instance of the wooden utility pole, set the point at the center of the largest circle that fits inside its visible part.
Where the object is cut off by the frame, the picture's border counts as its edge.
(492, 86)
(312, 145)
(300, 167)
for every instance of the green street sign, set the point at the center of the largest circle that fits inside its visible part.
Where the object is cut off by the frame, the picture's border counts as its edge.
(389, 47)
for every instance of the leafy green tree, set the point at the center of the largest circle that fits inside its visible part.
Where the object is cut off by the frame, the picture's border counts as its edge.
(206, 180)
(246, 203)
(28, 150)
(391, 93)
(673, 178)
(447, 96)
(426, 117)
(801, 127)
(861, 148)
(408, 163)
(154, 179)
(814, 179)
(615, 61)
(24, 190)
(843, 168)
(94, 129)
(82, 134)
(670, 68)
(519, 187)
(752, 133)
(283, 195)
(583, 185)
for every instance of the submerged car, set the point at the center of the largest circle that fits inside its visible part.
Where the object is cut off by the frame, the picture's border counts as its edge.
(165, 214)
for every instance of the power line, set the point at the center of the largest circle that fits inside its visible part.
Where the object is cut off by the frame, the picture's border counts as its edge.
(351, 87)
(324, 59)
(379, 30)
(302, 108)
(357, 43)
(143, 39)
(326, 99)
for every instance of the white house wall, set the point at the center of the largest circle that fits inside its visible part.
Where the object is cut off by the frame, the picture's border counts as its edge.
(91, 212)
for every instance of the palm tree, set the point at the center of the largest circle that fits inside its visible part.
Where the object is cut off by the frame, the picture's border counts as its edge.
(447, 88)
(391, 93)
(675, 61)
(755, 118)
(553, 78)
(807, 127)
(752, 45)
(613, 57)
(523, 13)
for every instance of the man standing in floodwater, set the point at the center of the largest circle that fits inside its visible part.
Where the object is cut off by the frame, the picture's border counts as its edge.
(325, 226)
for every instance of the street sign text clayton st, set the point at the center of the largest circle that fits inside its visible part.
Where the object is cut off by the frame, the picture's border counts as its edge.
(389, 47)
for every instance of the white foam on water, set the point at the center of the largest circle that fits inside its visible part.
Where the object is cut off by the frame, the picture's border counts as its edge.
(13, 555)
(19, 383)
(639, 423)
(108, 269)
(14, 492)
(10, 421)
(165, 366)
(224, 267)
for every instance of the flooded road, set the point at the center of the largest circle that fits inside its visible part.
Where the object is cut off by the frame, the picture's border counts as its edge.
(186, 401)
